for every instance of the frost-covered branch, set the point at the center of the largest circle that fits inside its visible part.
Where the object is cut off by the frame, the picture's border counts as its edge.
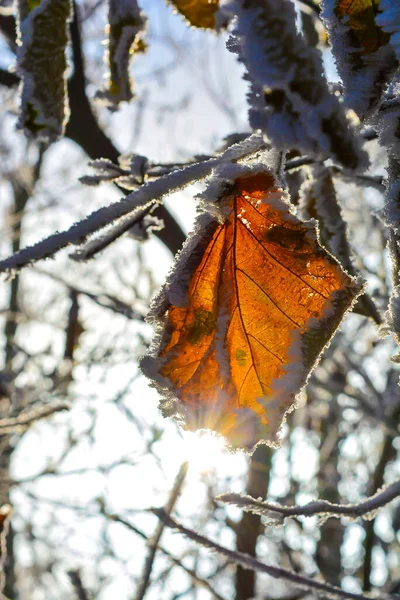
(192, 574)
(248, 562)
(141, 200)
(11, 424)
(289, 99)
(364, 509)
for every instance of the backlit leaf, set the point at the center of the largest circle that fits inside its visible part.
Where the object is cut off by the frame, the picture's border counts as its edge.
(251, 303)
(364, 58)
(200, 13)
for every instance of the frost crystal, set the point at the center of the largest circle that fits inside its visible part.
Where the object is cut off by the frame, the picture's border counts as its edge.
(289, 97)
(126, 29)
(364, 59)
(41, 63)
(318, 201)
(388, 19)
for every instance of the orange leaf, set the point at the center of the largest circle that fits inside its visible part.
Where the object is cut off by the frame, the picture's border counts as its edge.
(249, 307)
(200, 13)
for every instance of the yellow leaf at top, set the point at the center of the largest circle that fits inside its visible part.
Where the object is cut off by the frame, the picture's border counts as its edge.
(360, 17)
(200, 13)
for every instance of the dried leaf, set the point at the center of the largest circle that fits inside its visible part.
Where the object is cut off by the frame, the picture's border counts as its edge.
(200, 13)
(289, 98)
(364, 59)
(126, 30)
(41, 63)
(251, 303)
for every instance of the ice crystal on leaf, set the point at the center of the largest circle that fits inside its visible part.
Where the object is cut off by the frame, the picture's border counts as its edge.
(246, 311)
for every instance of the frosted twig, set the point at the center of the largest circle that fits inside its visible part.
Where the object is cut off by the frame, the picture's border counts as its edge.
(154, 542)
(249, 562)
(192, 574)
(144, 197)
(381, 498)
(101, 242)
(8, 425)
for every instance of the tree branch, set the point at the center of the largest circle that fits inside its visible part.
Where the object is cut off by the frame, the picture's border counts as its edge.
(9, 425)
(362, 509)
(83, 127)
(141, 201)
(154, 542)
(255, 565)
(192, 574)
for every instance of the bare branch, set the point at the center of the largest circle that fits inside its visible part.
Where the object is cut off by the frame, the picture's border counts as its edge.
(192, 574)
(154, 542)
(76, 580)
(251, 563)
(319, 507)
(9, 425)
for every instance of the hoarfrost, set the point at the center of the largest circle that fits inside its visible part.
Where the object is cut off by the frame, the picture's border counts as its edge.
(364, 59)
(42, 65)
(318, 201)
(289, 98)
(126, 30)
(388, 19)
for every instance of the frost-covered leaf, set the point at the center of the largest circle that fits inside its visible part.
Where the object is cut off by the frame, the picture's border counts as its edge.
(126, 30)
(289, 97)
(388, 19)
(41, 63)
(246, 312)
(364, 59)
(200, 13)
(318, 201)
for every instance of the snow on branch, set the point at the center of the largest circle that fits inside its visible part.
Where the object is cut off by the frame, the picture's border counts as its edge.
(364, 59)
(42, 65)
(248, 562)
(140, 200)
(276, 513)
(126, 29)
(388, 19)
(140, 228)
(318, 201)
(289, 97)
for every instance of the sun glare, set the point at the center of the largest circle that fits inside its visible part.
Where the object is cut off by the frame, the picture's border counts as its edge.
(206, 451)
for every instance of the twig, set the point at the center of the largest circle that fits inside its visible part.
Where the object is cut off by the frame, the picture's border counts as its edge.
(362, 509)
(251, 563)
(8, 425)
(192, 574)
(96, 245)
(141, 200)
(154, 542)
(77, 583)
(5, 516)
